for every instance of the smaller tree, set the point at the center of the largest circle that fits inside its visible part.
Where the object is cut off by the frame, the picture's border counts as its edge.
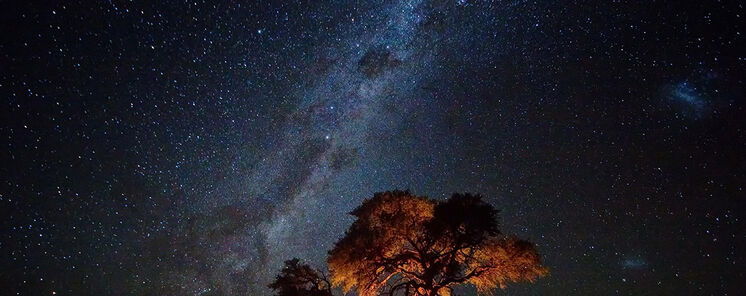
(296, 279)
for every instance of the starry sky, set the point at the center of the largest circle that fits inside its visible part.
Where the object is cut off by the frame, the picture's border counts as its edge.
(188, 148)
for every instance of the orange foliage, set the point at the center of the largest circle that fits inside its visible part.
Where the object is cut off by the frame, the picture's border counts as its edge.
(403, 244)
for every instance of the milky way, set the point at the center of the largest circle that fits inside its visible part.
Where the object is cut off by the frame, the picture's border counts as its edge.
(191, 148)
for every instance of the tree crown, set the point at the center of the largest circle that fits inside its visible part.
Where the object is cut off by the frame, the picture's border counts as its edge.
(402, 244)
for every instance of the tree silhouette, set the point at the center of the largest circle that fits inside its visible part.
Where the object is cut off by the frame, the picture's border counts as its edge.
(403, 244)
(296, 279)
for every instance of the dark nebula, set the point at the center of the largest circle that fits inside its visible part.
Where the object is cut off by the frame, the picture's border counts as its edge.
(375, 61)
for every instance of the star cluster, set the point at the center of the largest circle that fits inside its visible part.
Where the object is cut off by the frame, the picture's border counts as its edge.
(189, 148)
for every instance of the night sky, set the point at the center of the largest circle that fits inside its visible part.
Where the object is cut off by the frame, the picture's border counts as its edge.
(188, 148)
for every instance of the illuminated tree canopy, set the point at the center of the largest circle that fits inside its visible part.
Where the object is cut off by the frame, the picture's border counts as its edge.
(402, 244)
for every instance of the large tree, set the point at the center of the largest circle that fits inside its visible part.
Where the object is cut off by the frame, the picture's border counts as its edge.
(402, 244)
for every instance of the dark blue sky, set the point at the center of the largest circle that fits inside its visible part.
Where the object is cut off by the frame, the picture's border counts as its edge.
(188, 148)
